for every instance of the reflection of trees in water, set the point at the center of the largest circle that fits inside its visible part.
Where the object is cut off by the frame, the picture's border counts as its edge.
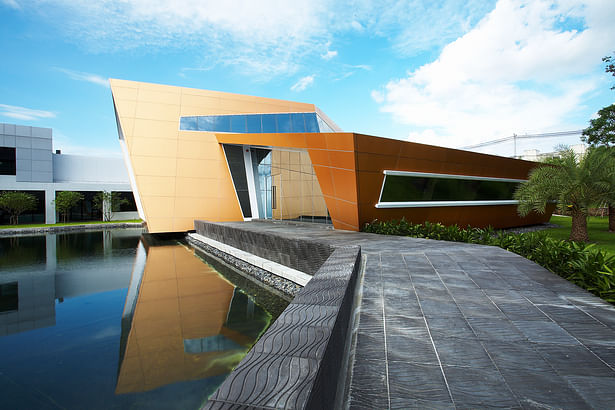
(79, 245)
(18, 251)
(89, 244)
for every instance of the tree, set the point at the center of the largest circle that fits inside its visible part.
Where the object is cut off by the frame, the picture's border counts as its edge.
(16, 203)
(576, 184)
(65, 200)
(610, 66)
(601, 130)
(108, 202)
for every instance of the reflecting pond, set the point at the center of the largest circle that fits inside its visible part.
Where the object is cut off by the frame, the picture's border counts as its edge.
(114, 319)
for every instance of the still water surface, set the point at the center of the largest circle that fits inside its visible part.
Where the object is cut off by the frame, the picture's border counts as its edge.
(111, 319)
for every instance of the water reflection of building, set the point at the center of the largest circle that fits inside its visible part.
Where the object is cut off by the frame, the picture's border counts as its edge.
(38, 270)
(185, 322)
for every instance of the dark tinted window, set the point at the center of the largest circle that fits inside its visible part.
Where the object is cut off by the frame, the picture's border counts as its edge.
(234, 157)
(128, 204)
(410, 189)
(9, 299)
(7, 161)
(29, 217)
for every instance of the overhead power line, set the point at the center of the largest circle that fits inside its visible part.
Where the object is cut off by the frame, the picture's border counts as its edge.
(515, 137)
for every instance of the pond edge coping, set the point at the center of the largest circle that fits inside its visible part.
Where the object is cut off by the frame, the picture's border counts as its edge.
(68, 228)
(298, 361)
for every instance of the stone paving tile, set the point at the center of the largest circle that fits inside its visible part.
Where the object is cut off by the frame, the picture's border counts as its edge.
(462, 352)
(593, 389)
(574, 361)
(544, 332)
(415, 385)
(479, 387)
(565, 312)
(369, 389)
(451, 325)
(605, 353)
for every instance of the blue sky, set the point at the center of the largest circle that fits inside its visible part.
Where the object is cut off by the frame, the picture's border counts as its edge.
(450, 73)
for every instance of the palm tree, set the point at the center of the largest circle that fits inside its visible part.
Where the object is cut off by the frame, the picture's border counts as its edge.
(572, 183)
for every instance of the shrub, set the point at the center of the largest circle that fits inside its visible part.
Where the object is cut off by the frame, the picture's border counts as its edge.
(589, 268)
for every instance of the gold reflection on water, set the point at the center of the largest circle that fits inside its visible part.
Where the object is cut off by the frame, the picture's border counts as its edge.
(180, 298)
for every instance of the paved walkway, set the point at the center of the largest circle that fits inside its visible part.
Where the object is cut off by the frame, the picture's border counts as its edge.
(451, 325)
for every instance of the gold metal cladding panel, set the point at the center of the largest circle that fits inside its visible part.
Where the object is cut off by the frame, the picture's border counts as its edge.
(157, 111)
(148, 128)
(153, 147)
(157, 185)
(125, 93)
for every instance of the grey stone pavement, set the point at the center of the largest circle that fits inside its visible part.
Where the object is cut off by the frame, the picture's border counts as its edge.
(452, 325)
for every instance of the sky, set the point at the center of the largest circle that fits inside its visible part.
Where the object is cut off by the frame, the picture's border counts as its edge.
(451, 73)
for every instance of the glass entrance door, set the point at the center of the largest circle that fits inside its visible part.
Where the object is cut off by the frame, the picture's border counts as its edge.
(261, 164)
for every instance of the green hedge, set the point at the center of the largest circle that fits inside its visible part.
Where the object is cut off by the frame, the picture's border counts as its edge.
(589, 268)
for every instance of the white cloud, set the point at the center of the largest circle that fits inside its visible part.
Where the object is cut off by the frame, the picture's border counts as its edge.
(523, 68)
(267, 37)
(23, 113)
(360, 67)
(413, 26)
(329, 55)
(303, 83)
(10, 3)
(378, 96)
(356, 25)
(88, 77)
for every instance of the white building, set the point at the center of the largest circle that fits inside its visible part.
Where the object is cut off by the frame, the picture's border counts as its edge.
(27, 163)
(536, 155)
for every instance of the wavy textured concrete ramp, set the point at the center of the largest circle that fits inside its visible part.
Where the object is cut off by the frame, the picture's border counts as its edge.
(449, 325)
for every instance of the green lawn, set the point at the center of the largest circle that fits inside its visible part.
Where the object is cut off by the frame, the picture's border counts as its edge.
(597, 229)
(66, 224)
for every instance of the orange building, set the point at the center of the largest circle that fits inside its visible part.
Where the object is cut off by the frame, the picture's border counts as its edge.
(196, 154)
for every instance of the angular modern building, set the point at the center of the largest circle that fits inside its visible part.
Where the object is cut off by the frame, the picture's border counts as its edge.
(195, 154)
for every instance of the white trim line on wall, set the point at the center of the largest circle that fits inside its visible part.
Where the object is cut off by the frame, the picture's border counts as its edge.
(433, 204)
(449, 176)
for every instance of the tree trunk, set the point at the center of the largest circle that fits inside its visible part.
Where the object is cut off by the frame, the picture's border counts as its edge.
(611, 218)
(579, 226)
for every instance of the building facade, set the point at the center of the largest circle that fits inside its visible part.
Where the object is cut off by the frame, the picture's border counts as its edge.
(27, 163)
(196, 154)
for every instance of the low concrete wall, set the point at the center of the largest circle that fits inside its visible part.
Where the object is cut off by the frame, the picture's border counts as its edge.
(297, 362)
(303, 255)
